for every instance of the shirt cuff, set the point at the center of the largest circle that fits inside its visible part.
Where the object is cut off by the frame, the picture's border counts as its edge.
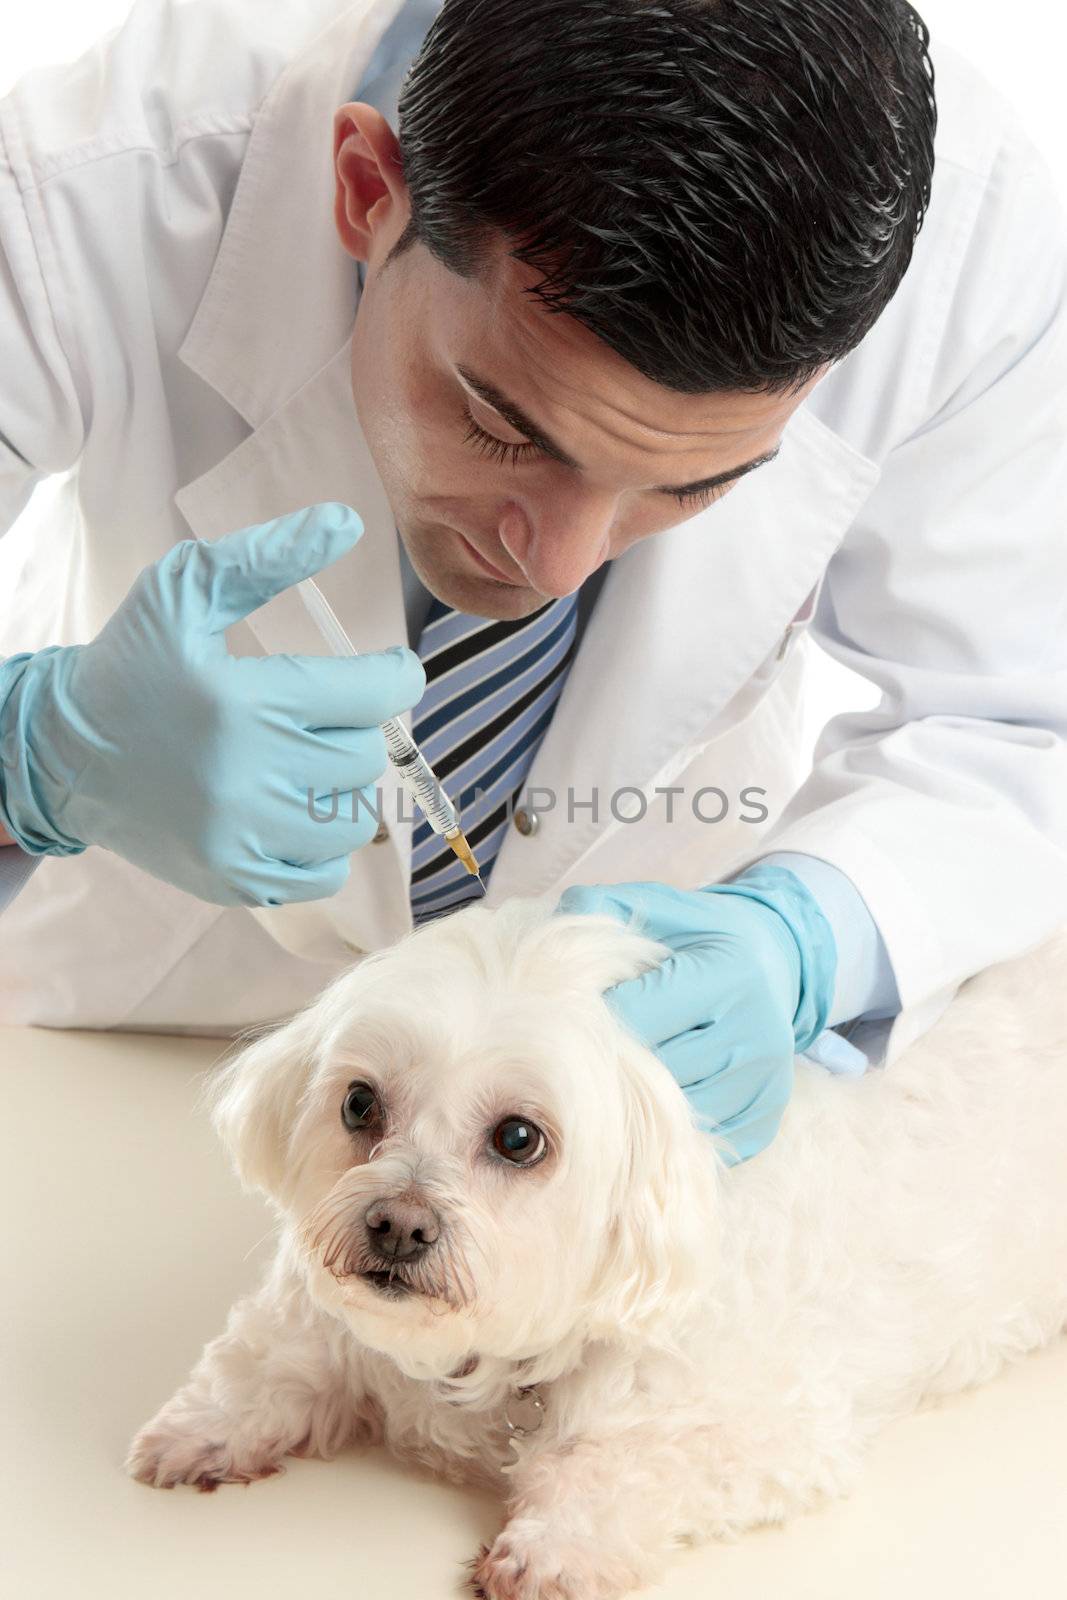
(865, 985)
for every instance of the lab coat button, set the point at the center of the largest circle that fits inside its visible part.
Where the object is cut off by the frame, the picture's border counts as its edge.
(526, 821)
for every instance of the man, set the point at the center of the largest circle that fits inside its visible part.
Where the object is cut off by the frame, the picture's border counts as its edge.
(648, 365)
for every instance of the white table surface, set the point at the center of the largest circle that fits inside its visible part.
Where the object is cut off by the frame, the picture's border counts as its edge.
(127, 1239)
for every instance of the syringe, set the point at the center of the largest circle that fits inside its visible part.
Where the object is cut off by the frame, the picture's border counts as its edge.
(412, 767)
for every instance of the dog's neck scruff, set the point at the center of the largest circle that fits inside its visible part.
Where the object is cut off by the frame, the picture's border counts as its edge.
(478, 1171)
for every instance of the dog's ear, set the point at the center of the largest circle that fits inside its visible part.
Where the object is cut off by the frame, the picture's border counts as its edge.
(253, 1099)
(589, 950)
(662, 1240)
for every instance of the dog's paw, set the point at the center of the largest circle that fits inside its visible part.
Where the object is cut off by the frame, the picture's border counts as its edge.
(176, 1447)
(527, 1563)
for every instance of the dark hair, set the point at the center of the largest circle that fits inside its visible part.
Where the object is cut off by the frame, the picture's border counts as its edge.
(726, 192)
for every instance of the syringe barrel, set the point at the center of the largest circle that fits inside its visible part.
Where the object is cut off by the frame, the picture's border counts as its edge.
(418, 778)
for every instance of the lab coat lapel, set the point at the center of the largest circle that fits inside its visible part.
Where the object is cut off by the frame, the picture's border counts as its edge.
(681, 623)
(312, 449)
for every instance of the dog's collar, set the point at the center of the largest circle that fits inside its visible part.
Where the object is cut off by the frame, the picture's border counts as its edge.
(524, 1409)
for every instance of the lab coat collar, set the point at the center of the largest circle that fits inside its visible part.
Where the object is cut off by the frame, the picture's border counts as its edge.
(283, 291)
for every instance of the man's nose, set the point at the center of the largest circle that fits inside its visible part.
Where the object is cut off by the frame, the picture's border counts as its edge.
(401, 1230)
(558, 547)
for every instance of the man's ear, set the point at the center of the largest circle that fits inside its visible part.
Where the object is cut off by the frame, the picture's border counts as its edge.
(252, 1100)
(367, 171)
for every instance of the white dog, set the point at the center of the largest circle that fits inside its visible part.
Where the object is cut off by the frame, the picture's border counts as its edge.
(507, 1250)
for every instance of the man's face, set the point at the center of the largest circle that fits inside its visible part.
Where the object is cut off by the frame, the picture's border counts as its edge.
(500, 513)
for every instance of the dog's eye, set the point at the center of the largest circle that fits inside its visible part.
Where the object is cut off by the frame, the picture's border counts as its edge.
(518, 1141)
(360, 1106)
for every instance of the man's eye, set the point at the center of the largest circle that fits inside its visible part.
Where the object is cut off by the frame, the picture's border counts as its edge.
(700, 497)
(497, 449)
(488, 444)
(519, 1141)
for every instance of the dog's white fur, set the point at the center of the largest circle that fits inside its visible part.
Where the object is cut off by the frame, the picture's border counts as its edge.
(715, 1346)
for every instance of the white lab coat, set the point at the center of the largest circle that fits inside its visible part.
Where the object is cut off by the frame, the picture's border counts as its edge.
(175, 313)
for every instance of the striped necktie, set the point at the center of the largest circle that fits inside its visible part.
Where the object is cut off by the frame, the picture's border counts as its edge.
(491, 689)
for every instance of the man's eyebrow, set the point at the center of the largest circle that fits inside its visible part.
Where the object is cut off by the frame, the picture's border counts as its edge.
(517, 418)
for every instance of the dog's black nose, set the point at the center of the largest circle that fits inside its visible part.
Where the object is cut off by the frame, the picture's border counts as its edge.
(401, 1230)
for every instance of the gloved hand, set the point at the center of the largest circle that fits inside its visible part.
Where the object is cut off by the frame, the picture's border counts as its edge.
(156, 743)
(748, 983)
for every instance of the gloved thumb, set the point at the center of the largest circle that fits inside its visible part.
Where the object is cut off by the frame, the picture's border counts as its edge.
(226, 578)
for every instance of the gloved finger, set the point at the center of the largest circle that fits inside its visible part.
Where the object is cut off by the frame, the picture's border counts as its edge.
(279, 883)
(711, 1054)
(311, 837)
(596, 899)
(222, 580)
(749, 1127)
(338, 759)
(333, 692)
(671, 998)
(734, 1046)
(733, 1090)
(655, 909)
(363, 807)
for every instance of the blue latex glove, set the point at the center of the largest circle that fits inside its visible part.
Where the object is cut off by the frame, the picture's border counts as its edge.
(748, 984)
(156, 743)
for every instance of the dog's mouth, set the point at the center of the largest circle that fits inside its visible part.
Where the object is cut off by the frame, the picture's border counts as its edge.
(388, 1282)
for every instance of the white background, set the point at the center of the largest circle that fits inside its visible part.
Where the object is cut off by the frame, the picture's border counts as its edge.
(1019, 47)
(1016, 47)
